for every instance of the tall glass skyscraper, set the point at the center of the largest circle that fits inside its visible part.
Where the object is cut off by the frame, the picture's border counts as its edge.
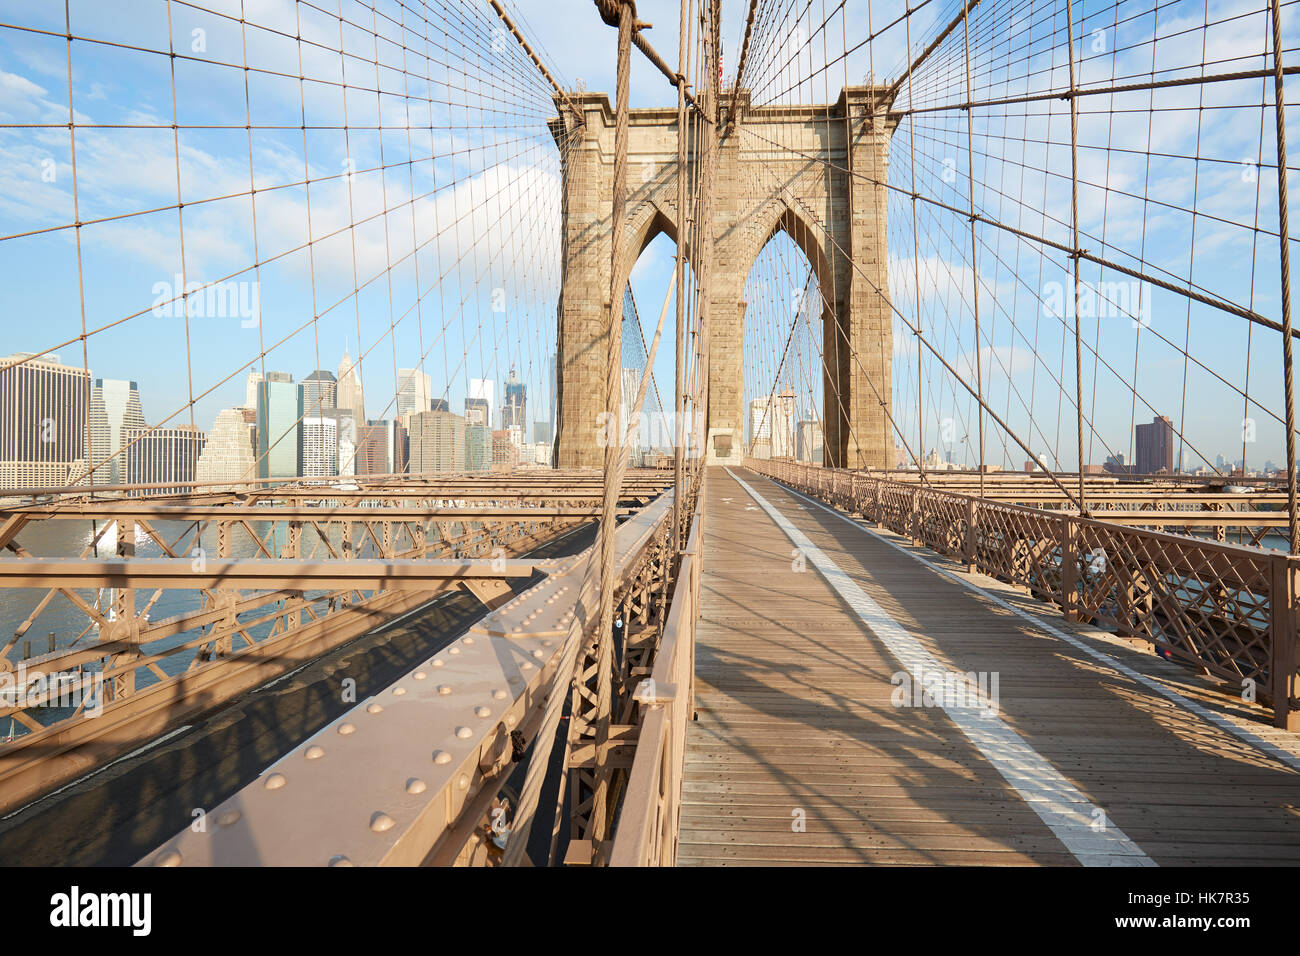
(114, 406)
(278, 430)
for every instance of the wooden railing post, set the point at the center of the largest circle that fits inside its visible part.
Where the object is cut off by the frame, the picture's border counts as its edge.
(971, 556)
(1069, 569)
(1282, 643)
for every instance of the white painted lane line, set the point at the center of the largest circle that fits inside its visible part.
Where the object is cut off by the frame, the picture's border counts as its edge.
(1219, 721)
(1079, 824)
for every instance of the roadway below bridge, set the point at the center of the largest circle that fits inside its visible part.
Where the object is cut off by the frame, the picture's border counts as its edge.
(115, 815)
(861, 700)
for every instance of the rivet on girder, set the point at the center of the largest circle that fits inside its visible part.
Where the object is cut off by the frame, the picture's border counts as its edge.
(380, 821)
(463, 732)
(399, 691)
(463, 781)
(375, 708)
(346, 729)
(340, 860)
(499, 694)
(469, 640)
(441, 756)
(483, 711)
(419, 675)
(444, 689)
(538, 653)
(170, 858)
(275, 781)
(315, 753)
(416, 785)
(453, 650)
(436, 663)
(229, 818)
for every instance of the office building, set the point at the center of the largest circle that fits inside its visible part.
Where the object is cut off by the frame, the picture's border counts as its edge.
(1154, 451)
(318, 391)
(161, 456)
(505, 453)
(414, 389)
(437, 442)
(346, 419)
(320, 446)
(484, 389)
(375, 448)
(478, 447)
(810, 442)
(250, 390)
(114, 406)
(43, 415)
(478, 412)
(229, 453)
(350, 394)
(514, 414)
(400, 445)
(277, 426)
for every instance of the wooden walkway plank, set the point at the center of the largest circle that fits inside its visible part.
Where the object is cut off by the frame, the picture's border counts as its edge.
(800, 755)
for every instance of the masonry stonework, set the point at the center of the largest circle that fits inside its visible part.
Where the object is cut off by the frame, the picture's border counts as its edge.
(812, 171)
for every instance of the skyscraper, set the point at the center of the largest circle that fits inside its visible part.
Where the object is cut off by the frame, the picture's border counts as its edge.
(514, 414)
(43, 414)
(319, 391)
(478, 412)
(1155, 447)
(250, 389)
(413, 391)
(375, 448)
(228, 454)
(157, 456)
(400, 448)
(485, 389)
(478, 447)
(320, 446)
(350, 394)
(114, 405)
(346, 420)
(809, 444)
(760, 428)
(782, 413)
(277, 426)
(505, 453)
(437, 442)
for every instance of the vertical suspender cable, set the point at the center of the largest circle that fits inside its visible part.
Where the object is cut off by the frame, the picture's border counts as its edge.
(1074, 253)
(1284, 254)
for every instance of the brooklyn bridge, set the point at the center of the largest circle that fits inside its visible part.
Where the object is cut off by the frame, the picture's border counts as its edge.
(829, 433)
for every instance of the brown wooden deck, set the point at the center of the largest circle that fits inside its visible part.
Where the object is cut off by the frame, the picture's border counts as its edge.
(795, 722)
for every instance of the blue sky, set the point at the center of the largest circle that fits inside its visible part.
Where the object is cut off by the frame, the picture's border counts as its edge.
(465, 274)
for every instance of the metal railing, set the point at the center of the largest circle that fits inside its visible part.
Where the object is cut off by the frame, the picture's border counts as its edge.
(1226, 609)
(413, 773)
(647, 831)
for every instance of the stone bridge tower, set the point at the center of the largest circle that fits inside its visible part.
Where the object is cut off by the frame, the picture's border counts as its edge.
(787, 168)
